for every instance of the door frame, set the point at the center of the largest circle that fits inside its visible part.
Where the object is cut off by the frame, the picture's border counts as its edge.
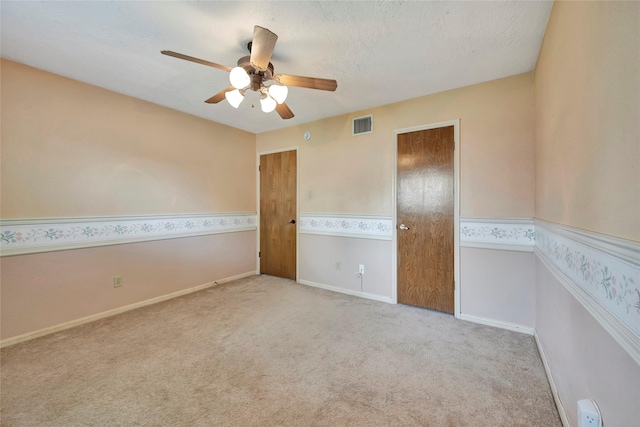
(456, 208)
(262, 153)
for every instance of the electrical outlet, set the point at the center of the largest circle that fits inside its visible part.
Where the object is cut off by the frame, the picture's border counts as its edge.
(117, 282)
(588, 414)
(361, 269)
(338, 265)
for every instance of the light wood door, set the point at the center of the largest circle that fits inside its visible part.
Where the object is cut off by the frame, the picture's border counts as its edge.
(425, 207)
(278, 214)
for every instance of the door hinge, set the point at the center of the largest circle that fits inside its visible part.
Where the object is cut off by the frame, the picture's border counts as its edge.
(258, 168)
(258, 254)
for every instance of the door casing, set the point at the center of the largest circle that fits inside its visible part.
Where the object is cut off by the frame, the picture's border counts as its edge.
(456, 208)
(261, 153)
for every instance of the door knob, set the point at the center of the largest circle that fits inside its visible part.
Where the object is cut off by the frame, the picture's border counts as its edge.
(293, 221)
(403, 227)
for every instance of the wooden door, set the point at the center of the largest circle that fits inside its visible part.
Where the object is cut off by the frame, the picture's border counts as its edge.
(278, 214)
(425, 206)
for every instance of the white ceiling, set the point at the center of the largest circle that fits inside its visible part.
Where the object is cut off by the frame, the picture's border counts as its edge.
(379, 52)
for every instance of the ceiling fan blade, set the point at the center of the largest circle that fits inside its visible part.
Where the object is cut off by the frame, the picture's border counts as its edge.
(264, 41)
(196, 60)
(306, 82)
(219, 96)
(284, 111)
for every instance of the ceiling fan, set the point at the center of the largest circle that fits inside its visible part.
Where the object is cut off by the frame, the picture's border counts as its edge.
(254, 70)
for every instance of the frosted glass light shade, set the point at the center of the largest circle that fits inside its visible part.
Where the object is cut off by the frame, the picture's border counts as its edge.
(234, 97)
(279, 93)
(239, 78)
(268, 104)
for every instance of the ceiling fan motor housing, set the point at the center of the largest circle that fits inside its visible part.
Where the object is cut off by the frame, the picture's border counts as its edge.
(257, 77)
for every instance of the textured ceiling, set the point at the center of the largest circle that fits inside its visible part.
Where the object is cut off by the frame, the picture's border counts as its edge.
(379, 52)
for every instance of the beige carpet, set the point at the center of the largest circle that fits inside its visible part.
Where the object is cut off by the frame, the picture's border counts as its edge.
(265, 351)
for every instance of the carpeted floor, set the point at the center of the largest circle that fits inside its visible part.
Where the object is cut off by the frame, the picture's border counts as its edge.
(265, 351)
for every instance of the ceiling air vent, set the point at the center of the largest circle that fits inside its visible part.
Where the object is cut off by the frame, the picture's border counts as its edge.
(362, 125)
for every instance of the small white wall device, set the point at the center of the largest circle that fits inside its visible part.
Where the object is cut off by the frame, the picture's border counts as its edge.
(588, 414)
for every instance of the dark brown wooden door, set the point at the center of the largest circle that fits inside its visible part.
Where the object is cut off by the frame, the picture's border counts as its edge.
(278, 214)
(425, 219)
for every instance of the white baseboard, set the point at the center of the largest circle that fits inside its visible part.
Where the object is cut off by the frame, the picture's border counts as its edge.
(77, 322)
(498, 324)
(554, 390)
(232, 278)
(346, 291)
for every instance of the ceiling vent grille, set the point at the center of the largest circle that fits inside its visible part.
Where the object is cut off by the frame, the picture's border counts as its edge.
(363, 125)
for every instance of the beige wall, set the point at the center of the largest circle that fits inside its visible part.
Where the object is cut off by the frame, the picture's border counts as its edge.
(346, 174)
(587, 137)
(343, 174)
(48, 289)
(319, 255)
(72, 149)
(498, 285)
(587, 113)
(585, 361)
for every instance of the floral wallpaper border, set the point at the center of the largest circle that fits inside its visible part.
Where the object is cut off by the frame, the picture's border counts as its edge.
(497, 231)
(610, 280)
(347, 225)
(486, 231)
(22, 237)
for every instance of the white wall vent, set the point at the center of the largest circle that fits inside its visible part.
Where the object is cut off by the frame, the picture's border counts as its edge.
(363, 125)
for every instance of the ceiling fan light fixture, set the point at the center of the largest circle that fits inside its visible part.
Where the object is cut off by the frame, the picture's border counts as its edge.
(239, 78)
(267, 103)
(278, 92)
(235, 97)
